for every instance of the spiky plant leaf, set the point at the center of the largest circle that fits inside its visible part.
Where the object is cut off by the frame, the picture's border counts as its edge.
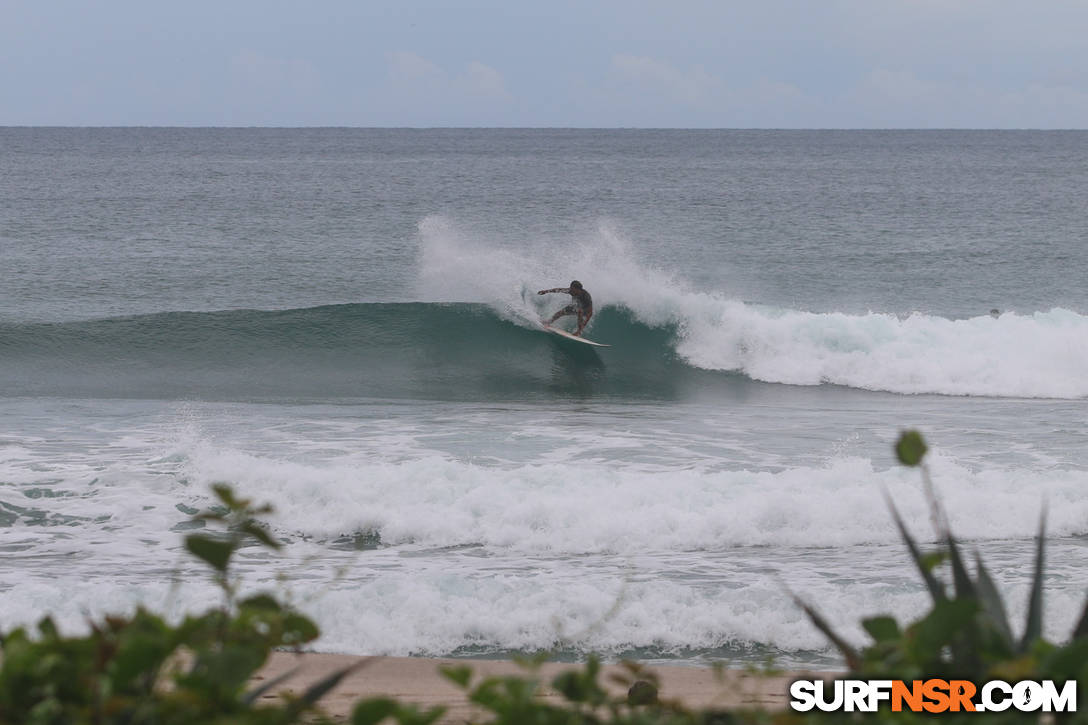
(1081, 630)
(1033, 629)
(961, 580)
(321, 688)
(459, 675)
(251, 697)
(853, 659)
(930, 637)
(992, 604)
(936, 589)
(882, 629)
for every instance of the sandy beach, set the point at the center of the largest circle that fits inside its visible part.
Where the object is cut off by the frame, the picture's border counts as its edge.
(417, 680)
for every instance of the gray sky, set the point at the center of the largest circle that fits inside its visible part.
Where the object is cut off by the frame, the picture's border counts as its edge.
(601, 63)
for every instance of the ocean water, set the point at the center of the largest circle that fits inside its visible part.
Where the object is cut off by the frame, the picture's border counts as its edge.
(342, 322)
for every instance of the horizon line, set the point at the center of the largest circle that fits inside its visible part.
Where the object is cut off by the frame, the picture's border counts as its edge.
(539, 128)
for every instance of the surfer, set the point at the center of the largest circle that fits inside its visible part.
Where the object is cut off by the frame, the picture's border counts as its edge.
(583, 304)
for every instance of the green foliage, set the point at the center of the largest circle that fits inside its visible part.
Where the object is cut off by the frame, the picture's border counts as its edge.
(241, 522)
(375, 710)
(966, 634)
(517, 700)
(141, 669)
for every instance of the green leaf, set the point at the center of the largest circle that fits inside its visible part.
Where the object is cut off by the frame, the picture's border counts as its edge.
(141, 650)
(262, 602)
(222, 671)
(934, 559)
(1081, 630)
(931, 634)
(261, 534)
(910, 448)
(372, 712)
(882, 629)
(225, 494)
(205, 516)
(1067, 663)
(411, 715)
(960, 578)
(572, 685)
(1033, 629)
(459, 675)
(853, 660)
(48, 628)
(213, 551)
(992, 604)
(505, 694)
(924, 563)
(298, 629)
(642, 693)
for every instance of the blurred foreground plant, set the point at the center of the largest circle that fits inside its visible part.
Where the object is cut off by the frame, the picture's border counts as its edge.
(966, 634)
(141, 669)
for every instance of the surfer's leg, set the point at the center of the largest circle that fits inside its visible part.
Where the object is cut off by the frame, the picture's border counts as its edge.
(583, 320)
(568, 310)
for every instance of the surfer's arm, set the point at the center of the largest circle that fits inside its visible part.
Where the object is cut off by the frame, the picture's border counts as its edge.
(554, 289)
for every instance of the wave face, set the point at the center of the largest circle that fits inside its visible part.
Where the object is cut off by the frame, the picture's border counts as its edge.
(465, 351)
(385, 350)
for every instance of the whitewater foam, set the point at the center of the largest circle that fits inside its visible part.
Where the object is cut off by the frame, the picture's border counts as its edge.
(1041, 355)
(394, 605)
(580, 509)
(457, 265)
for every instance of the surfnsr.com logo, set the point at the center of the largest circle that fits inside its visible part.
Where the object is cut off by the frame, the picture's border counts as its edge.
(933, 695)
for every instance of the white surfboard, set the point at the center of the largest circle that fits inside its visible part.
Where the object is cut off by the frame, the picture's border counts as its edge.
(564, 333)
